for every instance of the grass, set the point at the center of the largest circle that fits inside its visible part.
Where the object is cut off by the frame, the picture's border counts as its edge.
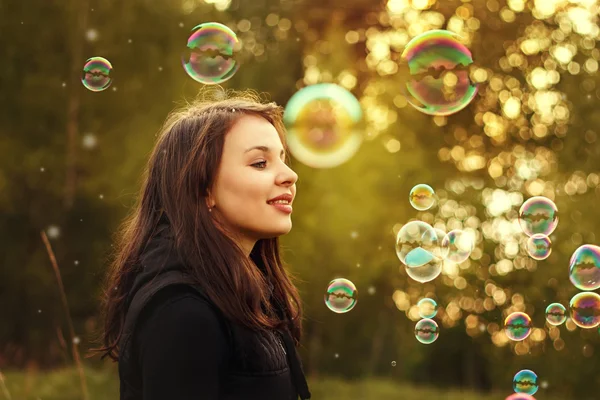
(103, 384)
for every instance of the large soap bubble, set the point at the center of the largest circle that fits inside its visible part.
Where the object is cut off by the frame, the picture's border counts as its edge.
(417, 244)
(324, 125)
(585, 309)
(439, 81)
(538, 215)
(211, 55)
(584, 267)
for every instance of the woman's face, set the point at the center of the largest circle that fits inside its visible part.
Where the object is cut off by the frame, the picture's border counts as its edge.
(252, 172)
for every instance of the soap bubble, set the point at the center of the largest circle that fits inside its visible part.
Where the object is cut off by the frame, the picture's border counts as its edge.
(427, 308)
(459, 245)
(538, 215)
(517, 326)
(520, 396)
(439, 82)
(421, 197)
(211, 55)
(427, 331)
(538, 246)
(556, 314)
(96, 73)
(585, 309)
(341, 295)
(584, 267)
(525, 381)
(324, 125)
(425, 273)
(417, 245)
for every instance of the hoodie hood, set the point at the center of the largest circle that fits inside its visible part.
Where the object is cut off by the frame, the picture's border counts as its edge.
(160, 256)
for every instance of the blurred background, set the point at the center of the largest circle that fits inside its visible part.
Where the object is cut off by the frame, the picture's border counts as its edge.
(71, 162)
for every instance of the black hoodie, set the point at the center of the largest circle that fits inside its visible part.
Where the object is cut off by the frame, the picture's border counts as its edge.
(178, 345)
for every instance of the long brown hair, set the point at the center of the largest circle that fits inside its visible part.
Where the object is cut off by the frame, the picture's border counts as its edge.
(180, 171)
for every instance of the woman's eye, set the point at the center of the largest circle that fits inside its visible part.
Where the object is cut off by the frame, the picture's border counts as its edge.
(260, 164)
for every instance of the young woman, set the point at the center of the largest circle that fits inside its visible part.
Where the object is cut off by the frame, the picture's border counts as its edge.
(197, 303)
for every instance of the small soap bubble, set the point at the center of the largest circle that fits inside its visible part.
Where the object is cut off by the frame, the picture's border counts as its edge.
(76, 340)
(417, 245)
(584, 309)
(341, 295)
(539, 246)
(437, 64)
(96, 74)
(42, 169)
(459, 244)
(525, 381)
(556, 314)
(393, 363)
(517, 326)
(39, 311)
(336, 355)
(538, 215)
(427, 308)
(427, 331)
(422, 197)
(584, 267)
(211, 53)
(371, 290)
(324, 125)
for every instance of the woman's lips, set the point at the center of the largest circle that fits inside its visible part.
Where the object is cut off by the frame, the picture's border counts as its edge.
(286, 208)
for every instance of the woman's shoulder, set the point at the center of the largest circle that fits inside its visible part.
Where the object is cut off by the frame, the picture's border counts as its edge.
(179, 313)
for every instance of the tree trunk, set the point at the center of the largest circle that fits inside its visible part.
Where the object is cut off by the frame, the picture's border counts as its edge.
(81, 8)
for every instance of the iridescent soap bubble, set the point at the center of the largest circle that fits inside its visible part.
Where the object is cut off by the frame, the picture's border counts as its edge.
(425, 273)
(517, 326)
(324, 125)
(439, 82)
(459, 244)
(427, 308)
(539, 246)
(341, 295)
(417, 244)
(427, 331)
(556, 314)
(526, 381)
(210, 57)
(520, 396)
(584, 267)
(538, 215)
(96, 74)
(422, 197)
(584, 309)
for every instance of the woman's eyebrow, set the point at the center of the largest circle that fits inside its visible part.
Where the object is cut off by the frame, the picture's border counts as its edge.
(266, 149)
